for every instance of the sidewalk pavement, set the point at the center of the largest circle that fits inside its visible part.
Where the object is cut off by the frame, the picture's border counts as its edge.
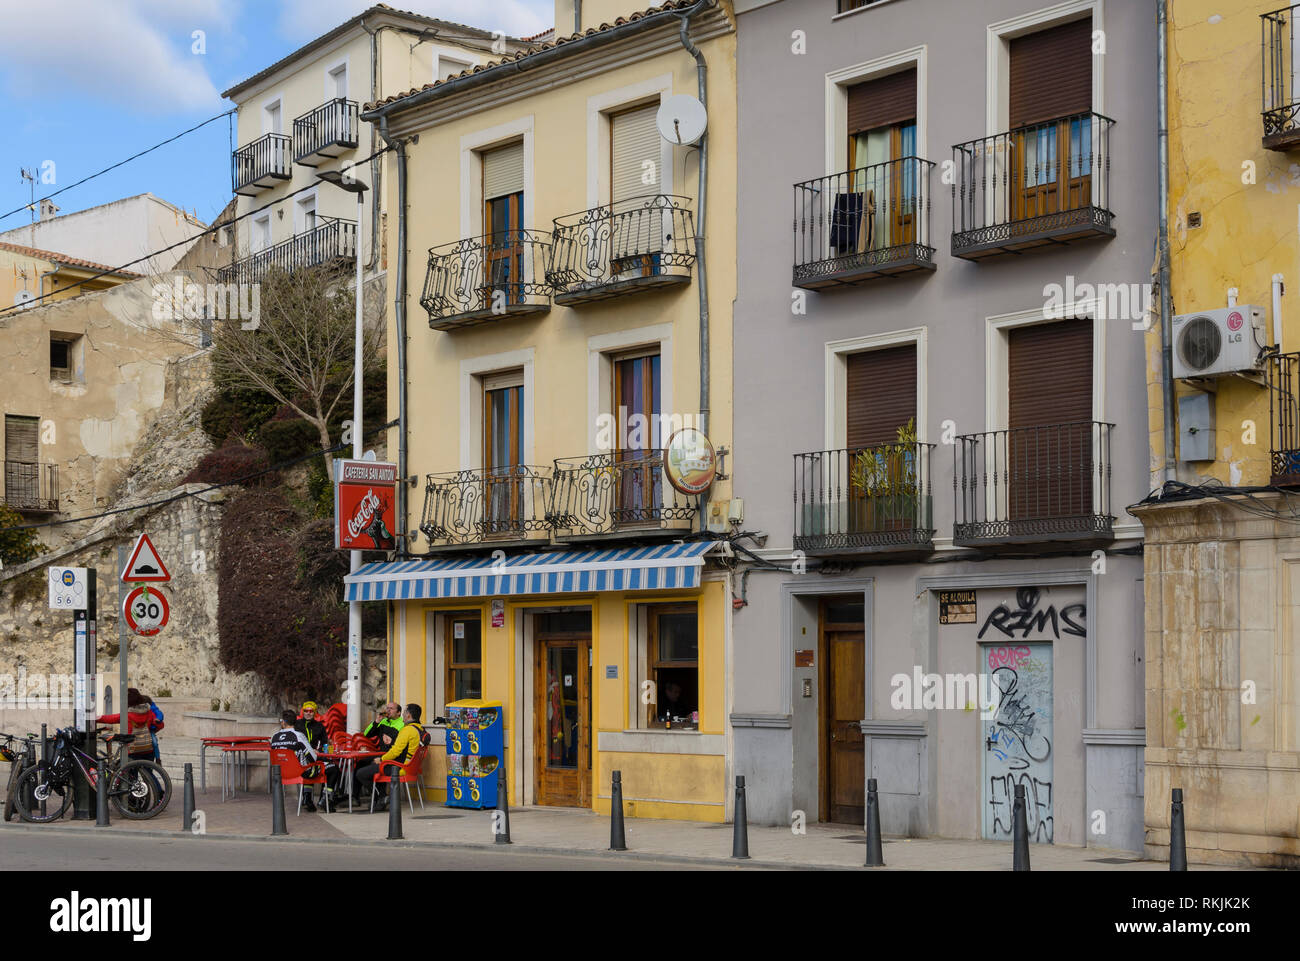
(572, 831)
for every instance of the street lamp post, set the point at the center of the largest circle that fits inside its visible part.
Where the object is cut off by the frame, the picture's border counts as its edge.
(352, 694)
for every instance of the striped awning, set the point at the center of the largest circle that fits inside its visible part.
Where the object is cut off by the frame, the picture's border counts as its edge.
(661, 567)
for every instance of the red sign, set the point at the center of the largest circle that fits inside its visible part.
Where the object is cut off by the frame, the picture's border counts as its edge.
(1234, 321)
(145, 564)
(146, 611)
(365, 498)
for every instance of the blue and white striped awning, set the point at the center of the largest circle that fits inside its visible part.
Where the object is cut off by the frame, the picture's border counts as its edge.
(661, 567)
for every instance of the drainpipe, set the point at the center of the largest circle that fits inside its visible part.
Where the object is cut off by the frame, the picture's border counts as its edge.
(1162, 195)
(577, 16)
(701, 70)
(376, 165)
(399, 316)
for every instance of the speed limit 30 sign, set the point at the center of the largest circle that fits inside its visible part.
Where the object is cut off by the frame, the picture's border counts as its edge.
(146, 610)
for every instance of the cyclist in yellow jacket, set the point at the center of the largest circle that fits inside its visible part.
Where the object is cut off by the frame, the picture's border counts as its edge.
(409, 740)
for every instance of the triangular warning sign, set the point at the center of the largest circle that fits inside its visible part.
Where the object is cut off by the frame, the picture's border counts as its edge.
(145, 564)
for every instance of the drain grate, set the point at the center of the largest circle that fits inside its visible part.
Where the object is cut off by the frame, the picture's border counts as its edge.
(1112, 860)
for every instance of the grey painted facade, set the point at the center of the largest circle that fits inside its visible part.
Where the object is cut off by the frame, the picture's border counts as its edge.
(930, 763)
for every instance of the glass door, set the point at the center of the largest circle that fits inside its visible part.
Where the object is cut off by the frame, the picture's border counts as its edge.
(503, 441)
(562, 713)
(638, 493)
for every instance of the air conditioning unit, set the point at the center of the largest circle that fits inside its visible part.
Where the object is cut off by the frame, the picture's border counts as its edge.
(1216, 342)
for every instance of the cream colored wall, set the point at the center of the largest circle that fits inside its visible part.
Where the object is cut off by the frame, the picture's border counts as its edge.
(19, 272)
(559, 122)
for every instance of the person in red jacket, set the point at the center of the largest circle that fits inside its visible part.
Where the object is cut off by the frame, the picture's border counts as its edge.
(139, 717)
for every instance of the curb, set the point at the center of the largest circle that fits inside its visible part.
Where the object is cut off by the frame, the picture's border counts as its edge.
(442, 845)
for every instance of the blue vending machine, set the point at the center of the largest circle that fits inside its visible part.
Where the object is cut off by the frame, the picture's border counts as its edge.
(475, 749)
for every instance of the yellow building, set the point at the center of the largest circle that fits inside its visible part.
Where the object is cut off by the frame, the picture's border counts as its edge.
(1222, 547)
(30, 276)
(566, 276)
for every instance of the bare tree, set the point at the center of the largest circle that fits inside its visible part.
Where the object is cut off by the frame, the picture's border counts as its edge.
(299, 346)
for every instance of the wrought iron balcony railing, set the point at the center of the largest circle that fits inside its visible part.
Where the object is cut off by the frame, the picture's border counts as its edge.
(1033, 484)
(509, 503)
(331, 242)
(257, 166)
(861, 224)
(1047, 183)
(621, 490)
(1280, 79)
(482, 279)
(621, 248)
(864, 500)
(1282, 374)
(326, 132)
(31, 487)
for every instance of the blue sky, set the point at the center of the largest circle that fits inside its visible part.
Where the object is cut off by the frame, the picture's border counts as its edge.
(86, 83)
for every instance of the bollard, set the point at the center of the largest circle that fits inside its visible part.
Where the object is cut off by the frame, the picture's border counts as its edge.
(503, 805)
(740, 828)
(617, 837)
(395, 805)
(1019, 832)
(187, 808)
(875, 854)
(278, 827)
(1177, 834)
(101, 797)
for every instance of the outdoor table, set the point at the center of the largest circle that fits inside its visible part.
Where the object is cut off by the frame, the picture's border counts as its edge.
(349, 759)
(237, 754)
(207, 742)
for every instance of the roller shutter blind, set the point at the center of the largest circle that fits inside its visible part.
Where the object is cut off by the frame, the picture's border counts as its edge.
(503, 171)
(882, 102)
(1051, 74)
(881, 395)
(634, 139)
(22, 439)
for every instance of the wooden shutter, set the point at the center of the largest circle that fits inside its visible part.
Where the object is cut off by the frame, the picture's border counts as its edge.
(503, 171)
(22, 439)
(1051, 74)
(883, 101)
(1049, 460)
(881, 395)
(634, 139)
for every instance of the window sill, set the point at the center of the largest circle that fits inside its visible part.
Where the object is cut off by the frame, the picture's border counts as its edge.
(849, 13)
(661, 730)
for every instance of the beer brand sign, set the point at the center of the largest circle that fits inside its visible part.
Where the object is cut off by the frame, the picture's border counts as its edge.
(365, 498)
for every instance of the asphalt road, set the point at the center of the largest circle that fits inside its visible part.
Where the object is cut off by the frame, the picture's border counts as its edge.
(38, 850)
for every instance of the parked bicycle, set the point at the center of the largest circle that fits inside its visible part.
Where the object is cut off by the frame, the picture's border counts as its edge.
(21, 754)
(139, 789)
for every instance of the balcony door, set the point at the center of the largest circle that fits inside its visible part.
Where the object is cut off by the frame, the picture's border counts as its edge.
(503, 208)
(878, 210)
(503, 444)
(881, 479)
(637, 224)
(1049, 107)
(1050, 456)
(22, 461)
(638, 494)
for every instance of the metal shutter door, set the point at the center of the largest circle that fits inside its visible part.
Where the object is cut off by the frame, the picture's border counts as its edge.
(503, 171)
(881, 395)
(882, 102)
(1051, 74)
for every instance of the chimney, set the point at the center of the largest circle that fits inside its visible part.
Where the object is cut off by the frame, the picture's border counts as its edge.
(48, 210)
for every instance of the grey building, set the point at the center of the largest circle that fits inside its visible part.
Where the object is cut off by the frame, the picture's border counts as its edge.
(947, 226)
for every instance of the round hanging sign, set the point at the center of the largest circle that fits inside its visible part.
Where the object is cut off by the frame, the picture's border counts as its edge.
(690, 463)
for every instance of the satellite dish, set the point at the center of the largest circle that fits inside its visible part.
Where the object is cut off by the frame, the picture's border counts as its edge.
(682, 120)
(23, 298)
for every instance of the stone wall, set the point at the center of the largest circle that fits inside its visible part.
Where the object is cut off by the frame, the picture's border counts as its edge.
(1223, 677)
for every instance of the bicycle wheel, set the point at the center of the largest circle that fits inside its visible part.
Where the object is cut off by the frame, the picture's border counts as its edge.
(35, 787)
(140, 790)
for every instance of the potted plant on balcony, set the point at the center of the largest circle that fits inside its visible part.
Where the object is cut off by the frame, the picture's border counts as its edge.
(885, 486)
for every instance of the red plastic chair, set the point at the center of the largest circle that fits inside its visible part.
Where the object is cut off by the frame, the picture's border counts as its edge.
(335, 720)
(362, 743)
(408, 774)
(341, 741)
(293, 772)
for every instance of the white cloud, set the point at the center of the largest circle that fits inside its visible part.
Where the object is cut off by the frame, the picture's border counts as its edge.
(301, 20)
(132, 54)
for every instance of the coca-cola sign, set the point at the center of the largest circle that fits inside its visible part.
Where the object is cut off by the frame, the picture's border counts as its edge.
(365, 498)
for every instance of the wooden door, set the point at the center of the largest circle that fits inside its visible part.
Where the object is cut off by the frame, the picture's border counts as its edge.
(639, 494)
(503, 253)
(843, 703)
(503, 434)
(562, 721)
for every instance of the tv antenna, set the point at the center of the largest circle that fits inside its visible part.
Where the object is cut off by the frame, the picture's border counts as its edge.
(29, 174)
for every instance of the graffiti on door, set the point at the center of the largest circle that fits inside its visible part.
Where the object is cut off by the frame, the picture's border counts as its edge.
(1018, 738)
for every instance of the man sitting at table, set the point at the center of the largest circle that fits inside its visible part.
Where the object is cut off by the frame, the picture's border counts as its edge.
(409, 740)
(383, 730)
(291, 739)
(311, 728)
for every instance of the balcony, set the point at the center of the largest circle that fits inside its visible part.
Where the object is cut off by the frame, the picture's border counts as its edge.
(1037, 186)
(260, 164)
(483, 279)
(621, 493)
(332, 243)
(504, 504)
(327, 132)
(1034, 485)
(630, 246)
(863, 224)
(1283, 377)
(867, 500)
(1280, 84)
(31, 487)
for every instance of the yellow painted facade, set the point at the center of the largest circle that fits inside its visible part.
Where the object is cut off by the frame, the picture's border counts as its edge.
(42, 274)
(561, 113)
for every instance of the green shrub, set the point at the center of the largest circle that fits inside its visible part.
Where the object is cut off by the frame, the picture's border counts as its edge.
(17, 546)
(286, 439)
(236, 411)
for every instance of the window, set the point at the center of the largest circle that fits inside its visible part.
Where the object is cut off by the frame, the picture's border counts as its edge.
(445, 66)
(673, 666)
(879, 208)
(464, 656)
(637, 466)
(337, 82)
(844, 6)
(304, 214)
(637, 230)
(881, 474)
(503, 206)
(272, 119)
(503, 445)
(60, 358)
(261, 232)
(22, 471)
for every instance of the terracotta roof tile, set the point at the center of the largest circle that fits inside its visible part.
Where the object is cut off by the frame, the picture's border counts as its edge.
(57, 258)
